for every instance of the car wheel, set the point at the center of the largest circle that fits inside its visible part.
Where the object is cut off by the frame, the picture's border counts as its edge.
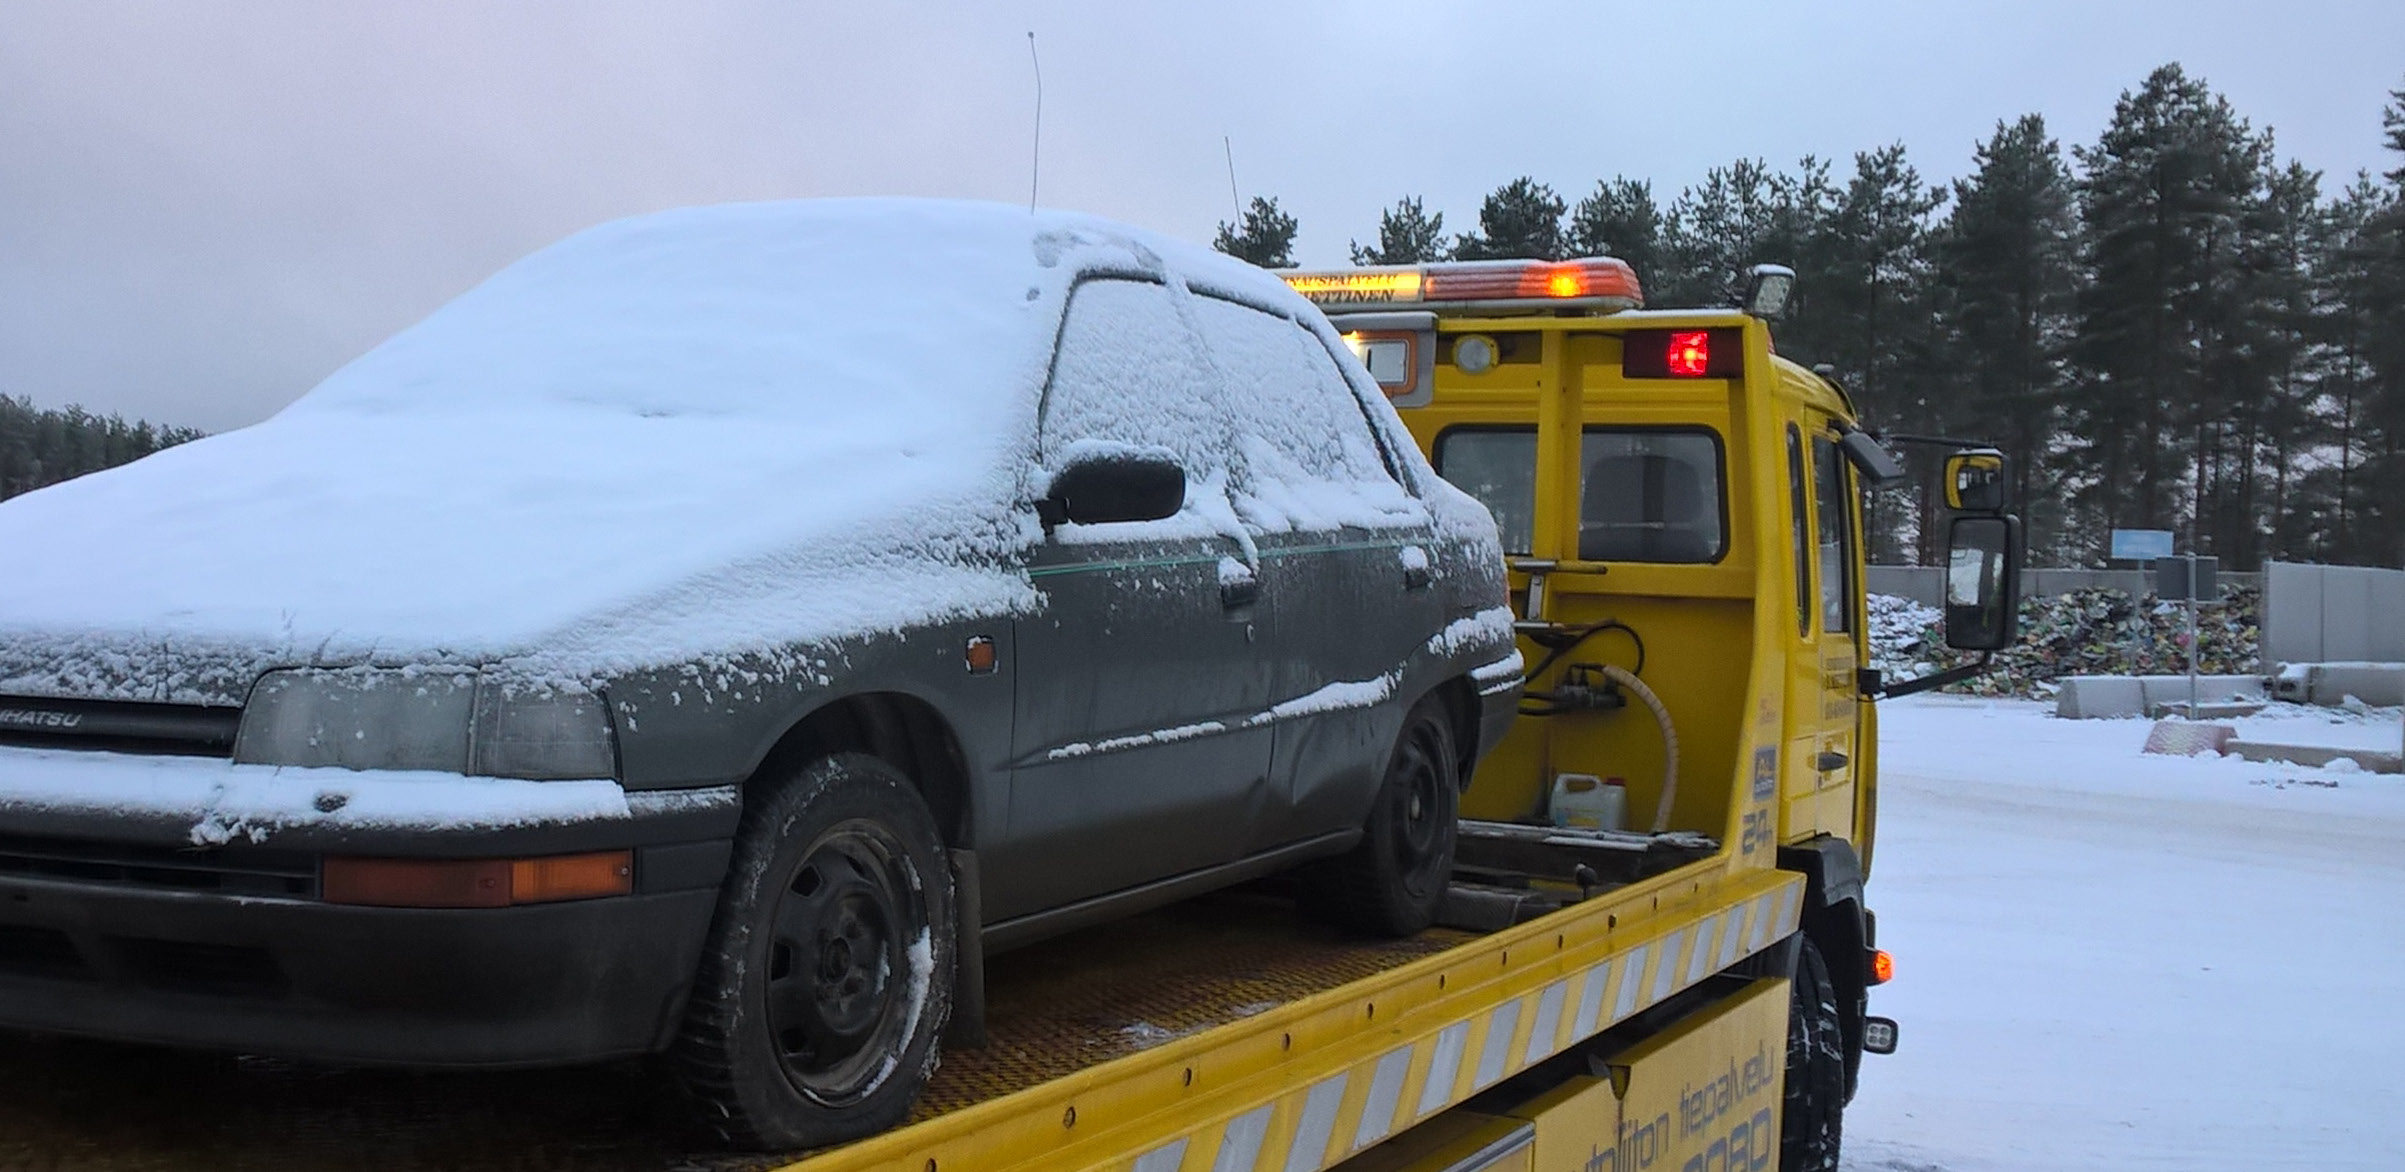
(1814, 1111)
(1392, 882)
(828, 973)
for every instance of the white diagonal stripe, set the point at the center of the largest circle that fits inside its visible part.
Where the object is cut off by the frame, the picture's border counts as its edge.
(1703, 949)
(1499, 1027)
(1665, 966)
(1731, 935)
(1240, 1145)
(1548, 1024)
(1310, 1147)
(1444, 1066)
(1386, 1090)
(1759, 938)
(1632, 974)
(1165, 1158)
(1590, 1001)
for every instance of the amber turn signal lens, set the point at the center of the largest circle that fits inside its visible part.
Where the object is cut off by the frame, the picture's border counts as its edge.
(1883, 966)
(464, 883)
(571, 877)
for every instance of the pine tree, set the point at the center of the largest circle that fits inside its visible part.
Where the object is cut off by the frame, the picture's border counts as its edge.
(1266, 237)
(1521, 220)
(1407, 234)
(1619, 219)
(39, 448)
(2161, 199)
(2006, 269)
(1742, 215)
(2377, 255)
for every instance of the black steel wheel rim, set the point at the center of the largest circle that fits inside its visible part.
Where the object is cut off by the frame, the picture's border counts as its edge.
(1419, 795)
(842, 997)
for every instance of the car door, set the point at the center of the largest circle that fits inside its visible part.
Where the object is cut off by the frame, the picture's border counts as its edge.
(1133, 755)
(1347, 560)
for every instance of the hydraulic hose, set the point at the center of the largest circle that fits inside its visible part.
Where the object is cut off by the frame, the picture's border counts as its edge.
(1661, 715)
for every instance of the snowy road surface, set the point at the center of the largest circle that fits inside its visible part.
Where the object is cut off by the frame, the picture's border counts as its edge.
(2113, 961)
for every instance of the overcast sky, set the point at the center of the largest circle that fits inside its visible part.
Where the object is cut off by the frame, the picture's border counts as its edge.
(205, 207)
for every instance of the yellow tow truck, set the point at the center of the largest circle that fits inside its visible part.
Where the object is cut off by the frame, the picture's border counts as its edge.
(1656, 951)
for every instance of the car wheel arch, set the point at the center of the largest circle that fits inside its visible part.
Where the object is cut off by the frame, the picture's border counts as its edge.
(903, 730)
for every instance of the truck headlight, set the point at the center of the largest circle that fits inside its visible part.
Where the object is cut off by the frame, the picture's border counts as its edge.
(446, 721)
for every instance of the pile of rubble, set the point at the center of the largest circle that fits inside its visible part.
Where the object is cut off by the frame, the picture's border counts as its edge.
(2092, 631)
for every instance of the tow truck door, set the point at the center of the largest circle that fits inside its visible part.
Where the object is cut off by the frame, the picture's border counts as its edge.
(1817, 780)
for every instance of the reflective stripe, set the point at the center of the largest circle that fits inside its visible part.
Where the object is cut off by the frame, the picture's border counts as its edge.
(1548, 1024)
(1697, 964)
(1632, 973)
(1444, 1066)
(1731, 935)
(1240, 1145)
(1310, 1147)
(1165, 1158)
(1590, 1001)
(1386, 1090)
(1665, 967)
(1787, 907)
(1764, 908)
(1499, 1027)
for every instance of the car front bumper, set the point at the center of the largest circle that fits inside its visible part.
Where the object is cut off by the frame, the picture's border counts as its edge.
(119, 919)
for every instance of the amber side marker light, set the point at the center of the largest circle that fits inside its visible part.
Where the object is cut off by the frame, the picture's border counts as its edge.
(1883, 966)
(463, 883)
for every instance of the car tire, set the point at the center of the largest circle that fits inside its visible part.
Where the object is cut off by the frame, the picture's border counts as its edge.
(1391, 883)
(828, 972)
(1814, 1111)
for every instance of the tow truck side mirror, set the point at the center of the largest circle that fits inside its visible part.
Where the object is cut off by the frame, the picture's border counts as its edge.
(1114, 486)
(1975, 481)
(1983, 582)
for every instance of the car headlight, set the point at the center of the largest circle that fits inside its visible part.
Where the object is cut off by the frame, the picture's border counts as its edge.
(448, 721)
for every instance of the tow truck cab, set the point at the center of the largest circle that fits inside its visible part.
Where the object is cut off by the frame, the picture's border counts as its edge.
(1682, 513)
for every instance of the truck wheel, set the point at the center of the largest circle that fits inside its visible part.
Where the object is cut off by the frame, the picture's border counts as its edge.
(1814, 1111)
(1391, 883)
(828, 973)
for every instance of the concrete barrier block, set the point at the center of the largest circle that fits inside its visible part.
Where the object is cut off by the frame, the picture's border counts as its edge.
(2314, 756)
(2329, 684)
(2209, 689)
(2100, 697)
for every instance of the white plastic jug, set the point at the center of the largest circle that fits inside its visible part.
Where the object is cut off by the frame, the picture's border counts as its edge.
(1589, 802)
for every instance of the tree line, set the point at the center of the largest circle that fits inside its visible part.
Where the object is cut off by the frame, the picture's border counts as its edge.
(2170, 328)
(40, 447)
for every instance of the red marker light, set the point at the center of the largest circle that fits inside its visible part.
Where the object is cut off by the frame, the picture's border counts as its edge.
(1690, 353)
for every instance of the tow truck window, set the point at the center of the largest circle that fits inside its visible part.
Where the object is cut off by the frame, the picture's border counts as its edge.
(1645, 494)
(1836, 535)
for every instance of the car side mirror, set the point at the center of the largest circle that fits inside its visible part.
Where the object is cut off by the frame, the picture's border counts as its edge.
(1983, 583)
(1116, 486)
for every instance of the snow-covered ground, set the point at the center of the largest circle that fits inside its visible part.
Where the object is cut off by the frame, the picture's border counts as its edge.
(2107, 960)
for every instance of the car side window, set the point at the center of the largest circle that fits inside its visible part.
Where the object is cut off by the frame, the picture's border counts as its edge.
(1126, 374)
(1308, 457)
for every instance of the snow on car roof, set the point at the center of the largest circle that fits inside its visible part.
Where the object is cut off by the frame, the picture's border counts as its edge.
(710, 429)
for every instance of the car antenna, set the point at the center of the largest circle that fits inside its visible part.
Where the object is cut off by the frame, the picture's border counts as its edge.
(1234, 201)
(1035, 165)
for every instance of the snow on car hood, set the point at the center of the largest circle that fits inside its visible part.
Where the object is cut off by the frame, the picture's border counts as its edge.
(703, 431)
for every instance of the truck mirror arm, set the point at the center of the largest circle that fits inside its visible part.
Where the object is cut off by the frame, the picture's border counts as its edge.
(1877, 689)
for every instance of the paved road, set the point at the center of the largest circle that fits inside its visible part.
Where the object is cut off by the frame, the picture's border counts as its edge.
(2109, 961)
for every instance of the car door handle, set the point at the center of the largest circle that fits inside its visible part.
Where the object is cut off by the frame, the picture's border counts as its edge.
(1830, 762)
(1236, 592)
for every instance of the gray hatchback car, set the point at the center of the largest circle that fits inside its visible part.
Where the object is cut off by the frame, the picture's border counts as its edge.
(702, 634)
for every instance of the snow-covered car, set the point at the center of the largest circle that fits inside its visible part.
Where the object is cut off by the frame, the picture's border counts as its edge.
(650, 649)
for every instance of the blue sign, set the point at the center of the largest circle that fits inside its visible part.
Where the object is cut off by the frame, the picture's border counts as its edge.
(2141, 545)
